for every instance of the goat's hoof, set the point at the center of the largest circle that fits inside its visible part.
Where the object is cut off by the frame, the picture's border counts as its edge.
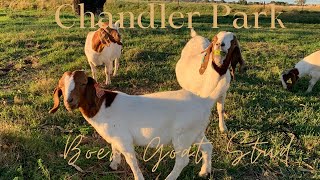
(203, 174)
(223, 130)
(114, 166)
(225, 115)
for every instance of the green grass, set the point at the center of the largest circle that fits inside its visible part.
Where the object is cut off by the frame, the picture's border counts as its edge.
(37, 52)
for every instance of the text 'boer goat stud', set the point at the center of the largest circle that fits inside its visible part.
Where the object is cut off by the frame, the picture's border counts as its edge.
(309, 65)
(203, 64)
(178, 117)
(103, 47)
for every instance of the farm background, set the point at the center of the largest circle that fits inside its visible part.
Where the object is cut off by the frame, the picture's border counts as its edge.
(34, 52)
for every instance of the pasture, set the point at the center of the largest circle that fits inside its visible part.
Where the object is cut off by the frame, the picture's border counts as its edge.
(35, 51)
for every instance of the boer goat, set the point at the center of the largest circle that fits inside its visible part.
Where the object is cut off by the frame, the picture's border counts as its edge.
(103, 47)
(310, 65)
(178, 117)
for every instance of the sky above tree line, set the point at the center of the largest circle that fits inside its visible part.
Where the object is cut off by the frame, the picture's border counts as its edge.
(288, 1)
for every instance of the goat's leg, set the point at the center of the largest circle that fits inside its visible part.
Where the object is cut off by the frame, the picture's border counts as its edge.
(108, 71)
(93, 70)
(221, 112)
(128, 152)
(180, 144)
(116, 158)
(313, 81)
(205, 147)
(116, 66)
(180, 163)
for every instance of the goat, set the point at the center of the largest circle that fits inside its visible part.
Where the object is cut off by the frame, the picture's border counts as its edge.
(178, 117)
(103, 47)
(310, 65)
(221, 52)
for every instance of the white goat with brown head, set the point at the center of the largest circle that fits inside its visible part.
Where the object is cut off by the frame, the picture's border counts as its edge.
(103, 47)
(178, 117)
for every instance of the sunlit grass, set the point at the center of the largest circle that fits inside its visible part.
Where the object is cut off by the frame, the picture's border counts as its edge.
(35, 52)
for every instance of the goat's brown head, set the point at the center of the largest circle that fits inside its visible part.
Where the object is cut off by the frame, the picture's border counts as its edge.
(80, 91)
(73, 86)
(224, 48)
(106, 35)
(291, 75)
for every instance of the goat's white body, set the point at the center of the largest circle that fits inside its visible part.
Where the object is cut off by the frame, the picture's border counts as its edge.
(176, 117)
(106, 56)
(146, 117)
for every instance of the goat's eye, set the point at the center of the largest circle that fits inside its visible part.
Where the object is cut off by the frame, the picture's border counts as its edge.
(83, 84)
(222, 44)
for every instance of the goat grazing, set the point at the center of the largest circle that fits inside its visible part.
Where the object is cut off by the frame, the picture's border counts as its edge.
(174, 117)
(310, 65)
(221, 52)
(103, 47)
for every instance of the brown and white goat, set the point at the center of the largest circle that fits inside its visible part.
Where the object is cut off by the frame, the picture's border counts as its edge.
(103, 47)
(178, 117)
(310, 65)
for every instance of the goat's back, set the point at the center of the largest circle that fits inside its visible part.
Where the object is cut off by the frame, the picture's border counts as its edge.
(313, 58)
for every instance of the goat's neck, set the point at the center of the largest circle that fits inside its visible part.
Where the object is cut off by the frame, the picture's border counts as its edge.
(221, 87)
(91, 104)
(303, 68)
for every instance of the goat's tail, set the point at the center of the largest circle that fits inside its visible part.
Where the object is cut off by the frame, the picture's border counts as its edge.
(193, 33)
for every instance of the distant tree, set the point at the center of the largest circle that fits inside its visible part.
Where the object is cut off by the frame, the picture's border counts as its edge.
(243, 2)
(280, 3)
(301, 2)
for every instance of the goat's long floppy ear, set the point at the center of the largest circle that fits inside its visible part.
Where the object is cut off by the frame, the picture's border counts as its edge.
(234, 54)
(234, 50)
(103, 36)
(208, 51)
(90, 92)
(56, 98)
(294, 78)
(98, 40)
(237, 56)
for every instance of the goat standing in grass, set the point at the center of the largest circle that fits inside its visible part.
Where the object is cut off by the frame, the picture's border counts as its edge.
(178, 117)
(103, 47)
(204, 63)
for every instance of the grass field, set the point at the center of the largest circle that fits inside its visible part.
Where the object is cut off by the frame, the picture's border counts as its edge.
(34, 53)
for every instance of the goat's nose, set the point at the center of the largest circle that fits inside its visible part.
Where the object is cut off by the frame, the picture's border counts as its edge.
(69, 100)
